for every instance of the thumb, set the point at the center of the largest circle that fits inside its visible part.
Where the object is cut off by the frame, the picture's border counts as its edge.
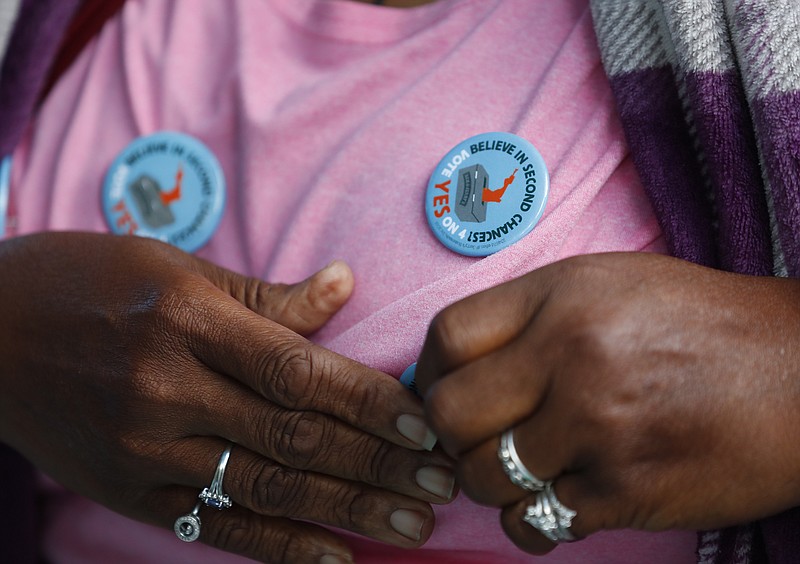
(303, 307)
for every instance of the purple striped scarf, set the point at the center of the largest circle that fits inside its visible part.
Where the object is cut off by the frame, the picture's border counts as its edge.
(709, 96)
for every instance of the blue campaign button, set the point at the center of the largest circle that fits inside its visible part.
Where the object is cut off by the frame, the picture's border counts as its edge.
(487, 193)
(408, 378)
(5, 189)
(167, 186)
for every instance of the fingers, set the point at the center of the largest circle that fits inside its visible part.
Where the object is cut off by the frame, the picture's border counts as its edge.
(481, 475)
(480, 400)
(309, 440)
(479, 378)
(271, 489)
(303, 307)
(479, 324)
(546, 449)
(290, 372)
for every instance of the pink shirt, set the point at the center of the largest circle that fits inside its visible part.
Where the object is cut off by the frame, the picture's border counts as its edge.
(328, 118)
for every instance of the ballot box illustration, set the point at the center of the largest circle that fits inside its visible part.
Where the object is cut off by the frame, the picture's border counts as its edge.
(148, 197)
(469, 198)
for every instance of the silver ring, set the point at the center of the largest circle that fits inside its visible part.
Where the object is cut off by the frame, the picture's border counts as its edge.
(550, 517)
(513, 466)
(187, 528)
(213, 495)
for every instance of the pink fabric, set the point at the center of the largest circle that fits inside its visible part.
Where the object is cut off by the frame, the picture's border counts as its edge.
(328, 117)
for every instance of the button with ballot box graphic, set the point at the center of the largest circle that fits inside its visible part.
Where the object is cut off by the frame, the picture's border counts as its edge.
(487, 193)
(167, 186)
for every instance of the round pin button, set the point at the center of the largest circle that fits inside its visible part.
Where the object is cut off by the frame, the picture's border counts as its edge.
(167, 186)
(487, 193)
(408, 378)
(5, 189)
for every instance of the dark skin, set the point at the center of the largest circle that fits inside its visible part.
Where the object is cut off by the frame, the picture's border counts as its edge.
(656, 393)
(128, 365)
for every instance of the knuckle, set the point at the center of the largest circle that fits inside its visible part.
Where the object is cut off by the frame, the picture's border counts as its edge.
(589, 337)
(271, 297)
(351, 398)
(355, 509)
(278, 491)
(302, 439)
(589, 340)
(287, 372)
(610, 426)
(171, 318)
(151, 390)
(370, 459)
(285, 304)
(444, 331)
(175, 308)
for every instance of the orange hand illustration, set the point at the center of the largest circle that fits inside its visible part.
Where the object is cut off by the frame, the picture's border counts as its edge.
(497, 195)
(175, 194)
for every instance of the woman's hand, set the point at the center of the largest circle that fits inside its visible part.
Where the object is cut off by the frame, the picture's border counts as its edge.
(656, 394)
(127, 366)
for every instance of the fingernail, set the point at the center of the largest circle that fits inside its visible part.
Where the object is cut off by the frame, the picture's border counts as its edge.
(335, 559)
(436, 480)
(415, 430)
(407, 523)
(333, 271)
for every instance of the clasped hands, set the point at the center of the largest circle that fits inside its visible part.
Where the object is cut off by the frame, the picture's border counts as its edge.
(653, 393)
(650, 391)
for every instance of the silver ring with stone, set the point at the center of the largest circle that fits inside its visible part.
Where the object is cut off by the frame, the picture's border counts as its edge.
(213, 495)
(550, 517)
(187, 527)
(513, 466)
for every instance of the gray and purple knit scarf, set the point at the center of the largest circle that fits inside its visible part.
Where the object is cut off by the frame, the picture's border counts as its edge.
(709, 96)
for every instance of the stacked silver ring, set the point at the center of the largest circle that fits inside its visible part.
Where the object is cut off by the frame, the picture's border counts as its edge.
(514, 468)
(550, 517)
(547, 515)
(187, 527)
